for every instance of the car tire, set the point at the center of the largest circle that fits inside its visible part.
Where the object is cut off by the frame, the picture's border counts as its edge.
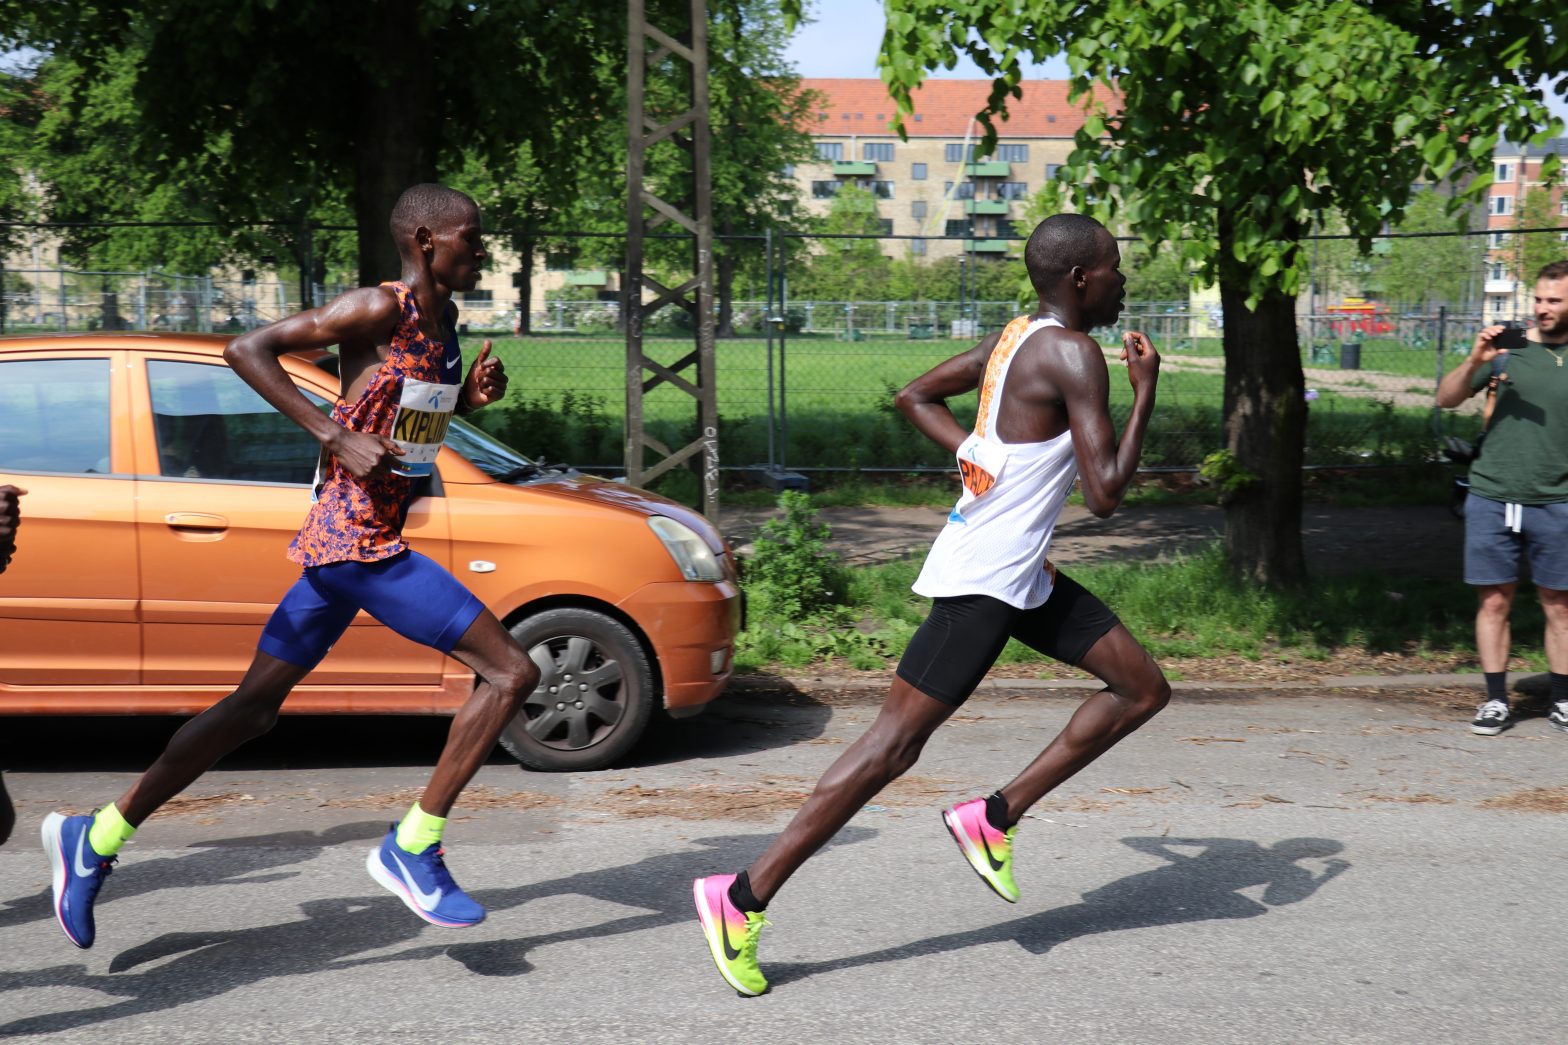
(601, 666)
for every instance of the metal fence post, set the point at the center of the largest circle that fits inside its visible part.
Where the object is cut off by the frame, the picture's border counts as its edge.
(1442, 331)
(770, 318)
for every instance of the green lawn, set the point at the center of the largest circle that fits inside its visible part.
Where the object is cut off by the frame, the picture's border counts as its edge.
(568, 402)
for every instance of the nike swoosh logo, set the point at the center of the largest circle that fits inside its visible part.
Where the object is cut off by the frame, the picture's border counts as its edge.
(996, 865)
(724, 934)
(454, 361)
(81, 844)
(426, 900)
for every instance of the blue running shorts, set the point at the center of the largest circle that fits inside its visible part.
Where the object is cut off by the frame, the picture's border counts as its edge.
(1500, 537)
(409, 593)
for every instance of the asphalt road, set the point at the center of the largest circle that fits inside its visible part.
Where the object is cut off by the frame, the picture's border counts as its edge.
(1248, 868)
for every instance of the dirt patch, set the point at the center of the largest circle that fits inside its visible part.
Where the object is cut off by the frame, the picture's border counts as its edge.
(1533, 800)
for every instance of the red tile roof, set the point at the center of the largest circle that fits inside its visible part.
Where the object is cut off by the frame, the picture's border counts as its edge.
(943, 108)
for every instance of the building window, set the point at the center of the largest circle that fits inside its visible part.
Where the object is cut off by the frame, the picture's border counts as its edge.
(824, 190)
(1504, 172)
(882, 190)
(887, 226)
(1051, 169)
(1502, 205)
(471, 296)
(965, 190)
(1562, 208)
(954, 152)
(1497, 239)
(560, 260)
(789, 170)
(830, 150)
(1496, 270)
(1013, 153)
(917, 246)
(960, 227)
(878, 152)
(1012, 190)
(917, 209)
(917, 172)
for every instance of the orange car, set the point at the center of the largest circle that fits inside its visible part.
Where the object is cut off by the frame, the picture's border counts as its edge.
(162, 493)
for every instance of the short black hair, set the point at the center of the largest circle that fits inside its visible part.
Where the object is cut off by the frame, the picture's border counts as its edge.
(1059, 243)
(428, 204)
(1556, 270)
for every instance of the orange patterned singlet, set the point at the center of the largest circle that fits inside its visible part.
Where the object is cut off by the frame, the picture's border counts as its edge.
(361, 520)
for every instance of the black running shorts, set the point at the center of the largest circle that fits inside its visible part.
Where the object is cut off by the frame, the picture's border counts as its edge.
(964, 634)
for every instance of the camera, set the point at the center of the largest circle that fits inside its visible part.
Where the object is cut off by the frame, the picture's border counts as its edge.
(1510, 337)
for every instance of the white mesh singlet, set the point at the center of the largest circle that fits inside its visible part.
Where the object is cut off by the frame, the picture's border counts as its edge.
(997, 536)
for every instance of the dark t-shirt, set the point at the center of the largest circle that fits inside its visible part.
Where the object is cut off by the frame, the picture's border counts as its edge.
(1524, 458)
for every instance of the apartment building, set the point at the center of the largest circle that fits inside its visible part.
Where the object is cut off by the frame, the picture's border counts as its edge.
(932, 187)
(1516, 171)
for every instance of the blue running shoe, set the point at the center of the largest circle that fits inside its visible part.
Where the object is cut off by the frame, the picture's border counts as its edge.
(422, 881)
(78, 874)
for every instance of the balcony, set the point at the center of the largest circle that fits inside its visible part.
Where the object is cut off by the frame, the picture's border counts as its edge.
(588, 278)
(985, 206)
(1499, 286)
(854, 169)
(988, 169)
(985, 246)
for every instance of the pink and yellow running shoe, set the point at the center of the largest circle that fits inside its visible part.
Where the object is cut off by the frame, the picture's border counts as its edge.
(731, 933)
(989, 851)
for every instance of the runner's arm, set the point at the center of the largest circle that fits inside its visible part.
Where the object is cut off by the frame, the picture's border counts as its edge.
(1106, 465)
(367, 316)
(924, 400)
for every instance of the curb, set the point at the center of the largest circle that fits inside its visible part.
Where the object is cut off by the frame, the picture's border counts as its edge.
(851, 683)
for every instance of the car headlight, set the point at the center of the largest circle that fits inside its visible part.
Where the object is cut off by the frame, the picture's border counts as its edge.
(690, 552)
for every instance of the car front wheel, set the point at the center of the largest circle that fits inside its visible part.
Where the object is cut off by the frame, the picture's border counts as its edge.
(595, 693)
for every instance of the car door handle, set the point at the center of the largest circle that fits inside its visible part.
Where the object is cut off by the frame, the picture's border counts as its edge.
(197, 521)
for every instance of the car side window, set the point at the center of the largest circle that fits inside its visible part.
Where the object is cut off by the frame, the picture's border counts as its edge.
(54, 416)
(211, 425)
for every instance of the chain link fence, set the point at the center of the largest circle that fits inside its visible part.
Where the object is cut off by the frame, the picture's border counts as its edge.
(806, 380)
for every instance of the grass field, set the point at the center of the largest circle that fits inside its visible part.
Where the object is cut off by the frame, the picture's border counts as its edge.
(832, 402)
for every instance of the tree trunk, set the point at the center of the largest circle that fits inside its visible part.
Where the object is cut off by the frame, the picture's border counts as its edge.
(1265, 430)
(525, 287)
(397, 141)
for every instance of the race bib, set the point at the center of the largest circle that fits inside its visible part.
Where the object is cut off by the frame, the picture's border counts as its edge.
(419, 428)
(979, 465)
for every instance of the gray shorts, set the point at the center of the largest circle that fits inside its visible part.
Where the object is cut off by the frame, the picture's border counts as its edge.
(1498, 535)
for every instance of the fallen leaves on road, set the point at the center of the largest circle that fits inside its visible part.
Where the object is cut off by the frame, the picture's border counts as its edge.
(1422, 798)
(1213, 740)
(763, 798)
(1532, 800)
(187, 805)
(474, 797)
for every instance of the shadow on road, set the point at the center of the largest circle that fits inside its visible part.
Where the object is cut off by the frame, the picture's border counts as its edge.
(1202, 886)
(331, 934)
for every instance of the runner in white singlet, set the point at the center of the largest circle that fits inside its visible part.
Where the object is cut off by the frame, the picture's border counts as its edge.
(1044, 420)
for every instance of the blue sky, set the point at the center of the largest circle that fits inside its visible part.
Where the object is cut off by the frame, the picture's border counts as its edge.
(844, 39)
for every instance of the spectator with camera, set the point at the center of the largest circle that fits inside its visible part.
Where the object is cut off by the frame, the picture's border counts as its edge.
(1518, 503)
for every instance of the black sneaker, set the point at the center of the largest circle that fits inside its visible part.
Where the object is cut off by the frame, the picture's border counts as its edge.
(1492, 718)
(1558, 716)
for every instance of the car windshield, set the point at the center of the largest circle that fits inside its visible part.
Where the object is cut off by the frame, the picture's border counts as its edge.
(487, 453)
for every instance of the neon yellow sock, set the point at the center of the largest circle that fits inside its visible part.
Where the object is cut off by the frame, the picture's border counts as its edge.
(417, 831)
(109, 831)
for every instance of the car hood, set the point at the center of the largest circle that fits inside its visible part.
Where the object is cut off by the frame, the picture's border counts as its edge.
(602, 491)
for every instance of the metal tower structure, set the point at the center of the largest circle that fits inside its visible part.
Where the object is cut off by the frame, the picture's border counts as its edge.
(693, 373)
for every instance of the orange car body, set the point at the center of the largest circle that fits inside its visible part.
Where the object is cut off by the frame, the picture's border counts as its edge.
(141, 585)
